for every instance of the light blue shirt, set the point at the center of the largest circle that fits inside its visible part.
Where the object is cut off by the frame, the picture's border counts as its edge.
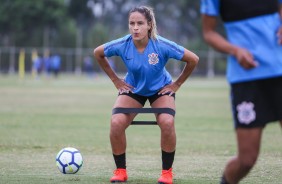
(145, 71)
(258, 35)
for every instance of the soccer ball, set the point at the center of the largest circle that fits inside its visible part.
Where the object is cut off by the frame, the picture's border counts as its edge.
(69, 160)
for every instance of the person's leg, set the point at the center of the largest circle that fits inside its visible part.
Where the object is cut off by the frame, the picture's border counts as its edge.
(248, 142)
(166, 123)
(254, 104)
(168, 137)
(119, 123)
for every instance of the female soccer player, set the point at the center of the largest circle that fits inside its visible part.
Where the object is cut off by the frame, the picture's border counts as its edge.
(145, 55)
(254, 45)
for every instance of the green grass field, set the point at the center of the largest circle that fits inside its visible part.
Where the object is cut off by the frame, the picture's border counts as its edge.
(40, 117)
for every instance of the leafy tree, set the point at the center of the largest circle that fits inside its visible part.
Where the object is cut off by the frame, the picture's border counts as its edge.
(81, 12)
(19, 19)
(87, 23)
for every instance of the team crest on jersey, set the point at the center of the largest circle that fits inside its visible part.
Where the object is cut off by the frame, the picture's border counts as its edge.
(153, 58)
(246, 113)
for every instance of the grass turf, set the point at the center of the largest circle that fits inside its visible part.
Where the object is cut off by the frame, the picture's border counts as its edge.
(38, 117)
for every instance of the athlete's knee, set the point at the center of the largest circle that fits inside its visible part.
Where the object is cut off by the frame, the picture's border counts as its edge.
(166, 125)
(248, 161)
(117, 124)
(166, 121)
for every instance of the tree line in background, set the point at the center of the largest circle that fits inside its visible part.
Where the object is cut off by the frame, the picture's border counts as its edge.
(88, 23)
(72, 28)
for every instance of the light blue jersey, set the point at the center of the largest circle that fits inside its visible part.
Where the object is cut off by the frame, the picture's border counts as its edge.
(145, 71)
(258, 35)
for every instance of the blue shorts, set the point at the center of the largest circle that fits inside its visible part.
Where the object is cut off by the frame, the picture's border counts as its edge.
(256, 103)
(142, 99)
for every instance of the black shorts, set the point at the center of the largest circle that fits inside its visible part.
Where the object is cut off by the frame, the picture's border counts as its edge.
(142, 99)
(256, 103)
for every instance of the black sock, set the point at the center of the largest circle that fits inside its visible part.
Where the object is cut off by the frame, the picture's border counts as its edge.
(120, 161)
(167, 159)
(223, 180)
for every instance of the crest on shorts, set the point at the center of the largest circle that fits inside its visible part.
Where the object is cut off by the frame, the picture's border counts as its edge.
(153, 58)
(246, 112)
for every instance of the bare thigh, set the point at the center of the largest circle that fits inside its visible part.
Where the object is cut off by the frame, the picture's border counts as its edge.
(164, 102)
(125, 102)
(249, 141)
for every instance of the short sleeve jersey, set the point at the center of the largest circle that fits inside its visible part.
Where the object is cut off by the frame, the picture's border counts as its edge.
(146, 71)
(258, 35)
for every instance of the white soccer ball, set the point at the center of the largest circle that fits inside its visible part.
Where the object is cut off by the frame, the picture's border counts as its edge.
(69, 160)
